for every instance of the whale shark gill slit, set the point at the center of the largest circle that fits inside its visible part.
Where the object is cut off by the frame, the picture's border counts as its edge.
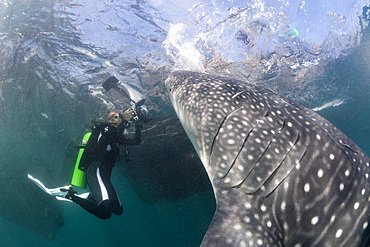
(218, 131)
(220, 142)
(236, 157)
(349, 147)
(239, 183)
(254, 149)
(278, 177)
(265, 169)
(282, 171)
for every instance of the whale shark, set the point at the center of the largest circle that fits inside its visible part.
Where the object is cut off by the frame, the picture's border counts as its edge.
(282, 175)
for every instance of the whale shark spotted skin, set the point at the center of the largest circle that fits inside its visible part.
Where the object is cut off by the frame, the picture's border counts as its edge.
(281, 174)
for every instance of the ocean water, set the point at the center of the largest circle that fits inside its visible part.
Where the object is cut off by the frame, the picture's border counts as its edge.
(56, 54)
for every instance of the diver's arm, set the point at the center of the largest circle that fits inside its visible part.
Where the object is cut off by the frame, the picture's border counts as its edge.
(135, 141)
(123, 125)
(126, 117)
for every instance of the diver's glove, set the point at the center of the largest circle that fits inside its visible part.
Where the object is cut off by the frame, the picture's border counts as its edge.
(128, 115)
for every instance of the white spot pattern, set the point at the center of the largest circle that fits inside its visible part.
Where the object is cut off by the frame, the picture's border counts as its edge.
(314, 220)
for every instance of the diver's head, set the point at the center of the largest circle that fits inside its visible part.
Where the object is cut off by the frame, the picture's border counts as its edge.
(114, 118)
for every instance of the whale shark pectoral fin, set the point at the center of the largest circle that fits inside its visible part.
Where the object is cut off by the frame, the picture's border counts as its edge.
(235, 224)
(52, 192)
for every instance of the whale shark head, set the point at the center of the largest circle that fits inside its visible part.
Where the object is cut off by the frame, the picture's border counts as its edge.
(282, 175)
(201, 107)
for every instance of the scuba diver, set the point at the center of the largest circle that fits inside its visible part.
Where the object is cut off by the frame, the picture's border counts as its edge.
(99, 158)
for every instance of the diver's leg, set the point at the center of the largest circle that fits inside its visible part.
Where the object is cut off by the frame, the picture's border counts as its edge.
(100, 206)
(115, 205)
(101, 211)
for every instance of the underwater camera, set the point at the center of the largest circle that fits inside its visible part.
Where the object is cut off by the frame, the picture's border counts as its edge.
(140, 112)
(139, 109)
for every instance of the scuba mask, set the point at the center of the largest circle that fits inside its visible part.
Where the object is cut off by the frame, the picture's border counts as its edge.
(115, 119)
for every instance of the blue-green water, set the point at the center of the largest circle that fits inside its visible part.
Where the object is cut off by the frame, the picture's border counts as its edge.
(56, 54)
(165, 224)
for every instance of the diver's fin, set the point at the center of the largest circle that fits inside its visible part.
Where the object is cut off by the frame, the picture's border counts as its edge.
(60, 192)
(52, 192)
(63, 199)
(84, 195)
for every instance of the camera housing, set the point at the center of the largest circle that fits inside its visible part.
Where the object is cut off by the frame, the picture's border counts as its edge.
(140, 111)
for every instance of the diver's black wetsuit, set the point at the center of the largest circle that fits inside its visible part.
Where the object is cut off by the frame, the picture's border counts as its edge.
(101, 154)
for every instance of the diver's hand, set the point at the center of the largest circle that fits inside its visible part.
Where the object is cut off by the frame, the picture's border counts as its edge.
(127, 115)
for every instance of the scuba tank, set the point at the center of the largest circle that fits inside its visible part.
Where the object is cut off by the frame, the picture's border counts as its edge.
(87, 147)
(79, 176)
